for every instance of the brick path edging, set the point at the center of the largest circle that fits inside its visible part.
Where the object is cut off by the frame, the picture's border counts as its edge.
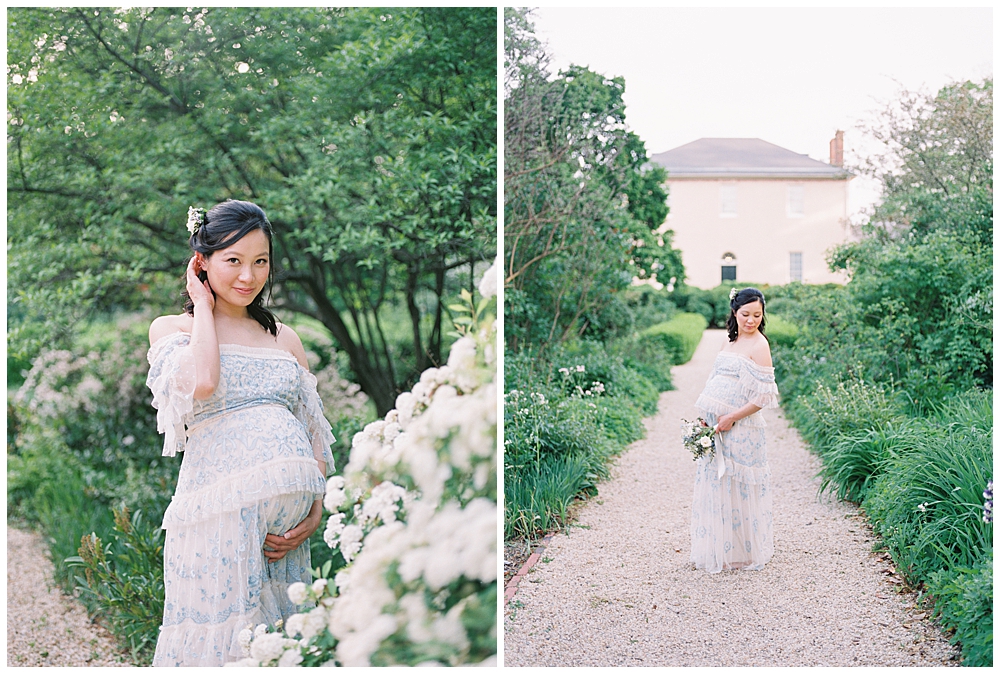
(536, 554)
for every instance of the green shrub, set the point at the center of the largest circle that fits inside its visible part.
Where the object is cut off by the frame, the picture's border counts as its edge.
(620, 420)
(125, 581)
(845, 408)
(780, 331)
(649, 306)
(963, 600)
(679, 337)
(567, 411)
(650, 358)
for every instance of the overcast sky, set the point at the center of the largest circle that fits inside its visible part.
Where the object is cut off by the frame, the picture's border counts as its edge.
(790, 76)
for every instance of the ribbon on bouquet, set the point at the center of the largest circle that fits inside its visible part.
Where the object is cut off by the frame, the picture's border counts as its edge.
(720, 461)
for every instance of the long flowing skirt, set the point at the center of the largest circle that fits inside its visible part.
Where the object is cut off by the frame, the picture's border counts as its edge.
(218, 581)
(731, 520)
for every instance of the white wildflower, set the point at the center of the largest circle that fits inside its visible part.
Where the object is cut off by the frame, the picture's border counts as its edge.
(319, 586)
(334, 527)
(295, 624)
(382, 503)
(244, 639)
(341, 580)
(297, 593)
(313, 622)
(290, 658)
(267, 647)
(335, 496)
(350, 541)
(488, 284)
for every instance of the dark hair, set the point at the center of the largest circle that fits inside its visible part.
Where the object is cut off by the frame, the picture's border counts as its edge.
(223, 226)
(745, 296)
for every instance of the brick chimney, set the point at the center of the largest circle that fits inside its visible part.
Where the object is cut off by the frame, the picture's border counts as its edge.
(837, 150)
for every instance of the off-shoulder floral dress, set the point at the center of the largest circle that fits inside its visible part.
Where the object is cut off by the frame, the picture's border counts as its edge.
(731, 522)
(249, 469)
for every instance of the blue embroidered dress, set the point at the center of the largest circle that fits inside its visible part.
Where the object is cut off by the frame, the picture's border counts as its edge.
(731, 522)
(249, 469)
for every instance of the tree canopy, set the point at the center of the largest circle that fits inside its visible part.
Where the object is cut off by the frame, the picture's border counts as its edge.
(367, 135)
(581, 203)
(922, 273)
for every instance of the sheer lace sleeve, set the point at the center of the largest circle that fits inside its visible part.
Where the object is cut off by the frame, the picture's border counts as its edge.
(172, 380)
(310, 412)
(757, 384)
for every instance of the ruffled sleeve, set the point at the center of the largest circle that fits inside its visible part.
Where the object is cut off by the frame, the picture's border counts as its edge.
(172, 380)
(309, 411)
(757, 384)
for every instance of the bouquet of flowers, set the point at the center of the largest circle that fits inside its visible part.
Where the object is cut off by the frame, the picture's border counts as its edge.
(699, 438)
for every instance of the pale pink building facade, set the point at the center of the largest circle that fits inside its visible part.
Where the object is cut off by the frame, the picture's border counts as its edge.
(746, 211)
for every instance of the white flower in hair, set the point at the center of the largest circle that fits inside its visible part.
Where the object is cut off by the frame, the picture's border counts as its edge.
(196, 218)
(732, 294)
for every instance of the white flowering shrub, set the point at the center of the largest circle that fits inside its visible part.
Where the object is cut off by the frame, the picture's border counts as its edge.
(414, 515)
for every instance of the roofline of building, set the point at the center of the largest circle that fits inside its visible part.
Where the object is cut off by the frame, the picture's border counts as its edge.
(729, 174)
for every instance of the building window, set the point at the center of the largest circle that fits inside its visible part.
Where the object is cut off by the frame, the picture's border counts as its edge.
(796, 201)
(728, 272)
(727, 200)
(795, 266)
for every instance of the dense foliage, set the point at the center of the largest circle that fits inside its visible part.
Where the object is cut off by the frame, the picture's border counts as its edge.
(368, 136)
(581, 205)
(582, 209)
(890, 378)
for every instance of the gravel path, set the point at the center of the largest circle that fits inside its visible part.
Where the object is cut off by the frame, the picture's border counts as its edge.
(45, 628)
(619, 589)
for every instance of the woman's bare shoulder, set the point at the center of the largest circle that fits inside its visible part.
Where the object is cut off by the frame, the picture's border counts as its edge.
(761, 353)
(165, 325)
(289, 340)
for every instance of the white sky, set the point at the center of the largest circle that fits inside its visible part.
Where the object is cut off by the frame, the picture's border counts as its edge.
(790, 76)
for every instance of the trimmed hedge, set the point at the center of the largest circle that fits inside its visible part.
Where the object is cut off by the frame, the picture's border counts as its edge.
(679, 336)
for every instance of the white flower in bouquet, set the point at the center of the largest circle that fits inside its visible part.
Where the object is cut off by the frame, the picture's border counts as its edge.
(297, 593)
(705, 442)
(319, 586)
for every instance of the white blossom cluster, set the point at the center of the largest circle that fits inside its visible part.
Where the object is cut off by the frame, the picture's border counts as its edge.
(415, 516)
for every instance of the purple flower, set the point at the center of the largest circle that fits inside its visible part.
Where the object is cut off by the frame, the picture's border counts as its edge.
(988, 505)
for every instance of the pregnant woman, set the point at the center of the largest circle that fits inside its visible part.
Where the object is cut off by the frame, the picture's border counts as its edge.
(731, 516)
(256, 444)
